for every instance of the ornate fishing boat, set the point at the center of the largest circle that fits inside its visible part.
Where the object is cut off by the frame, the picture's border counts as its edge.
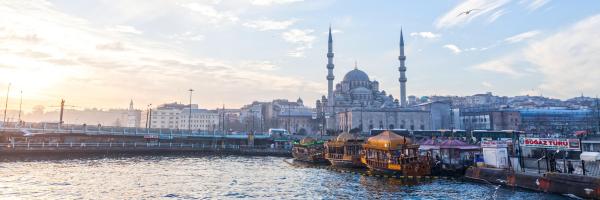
(344, 150)
(309, 150)
(392, 153)
(450, 156)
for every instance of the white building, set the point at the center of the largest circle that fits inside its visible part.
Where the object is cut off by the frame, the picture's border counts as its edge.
(201, 120)
(167, 115)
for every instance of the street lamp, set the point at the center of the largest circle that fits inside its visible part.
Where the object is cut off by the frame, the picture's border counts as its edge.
(190, 116)
(148, 116)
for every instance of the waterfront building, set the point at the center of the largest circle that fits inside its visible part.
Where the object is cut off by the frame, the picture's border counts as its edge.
(294, 116)
(356, 101)
(251, 116)
(167, 115)
(558, 120)
(439, 113)
(491, 119)
(365, 119)
(201, 120)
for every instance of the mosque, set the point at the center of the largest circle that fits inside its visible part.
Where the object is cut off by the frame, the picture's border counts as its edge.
(357, 102)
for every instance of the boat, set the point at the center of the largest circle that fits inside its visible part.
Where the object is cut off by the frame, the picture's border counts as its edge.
(309, 150)
(344, 150)
(388, 152)
(450, 156)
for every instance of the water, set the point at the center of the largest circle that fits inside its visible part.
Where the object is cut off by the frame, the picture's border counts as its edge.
(213, 177)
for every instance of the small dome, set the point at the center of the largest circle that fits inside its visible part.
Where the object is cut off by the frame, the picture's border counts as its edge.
(307, 140)
(356, 75)
(345, 136)
(387, 140)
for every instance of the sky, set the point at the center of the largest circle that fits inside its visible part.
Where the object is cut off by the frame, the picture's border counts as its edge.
(104, 53)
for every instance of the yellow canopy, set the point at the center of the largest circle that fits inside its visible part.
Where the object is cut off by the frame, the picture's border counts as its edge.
(388, 140)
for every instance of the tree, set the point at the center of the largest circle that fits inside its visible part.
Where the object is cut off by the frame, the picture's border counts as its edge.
(302, 131)
(355, 130)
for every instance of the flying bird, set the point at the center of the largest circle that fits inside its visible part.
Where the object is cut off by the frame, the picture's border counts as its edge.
(467, 12)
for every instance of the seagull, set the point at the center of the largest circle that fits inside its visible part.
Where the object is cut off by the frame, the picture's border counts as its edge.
(467, 12)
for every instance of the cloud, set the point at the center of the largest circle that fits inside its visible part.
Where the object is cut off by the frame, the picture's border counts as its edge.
(487, 84)
(504, 65)
(454, 18)
(259, 65)
(114, 46)
(494, 16)
(426, 35)
(267, 25)
(569, 59)
(124, 29)
(522, 36)
(455, 49)
(187, 36)
(534, 4)
(566, 60)
(214, 16)
(303, 39)
(49, 54)
(272, 2)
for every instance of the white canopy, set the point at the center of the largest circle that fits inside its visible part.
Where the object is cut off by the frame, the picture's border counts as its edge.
(590, 156)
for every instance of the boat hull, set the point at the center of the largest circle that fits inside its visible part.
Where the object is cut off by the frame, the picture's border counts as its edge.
(346, 163)
(306, 155)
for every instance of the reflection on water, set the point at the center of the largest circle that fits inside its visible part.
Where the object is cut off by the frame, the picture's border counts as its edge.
(219, 178)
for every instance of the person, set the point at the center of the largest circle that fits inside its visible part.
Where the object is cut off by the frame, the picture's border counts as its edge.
(552, 161)
(570, 167)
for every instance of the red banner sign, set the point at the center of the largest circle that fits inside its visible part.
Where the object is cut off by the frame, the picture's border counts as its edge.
(551, 143)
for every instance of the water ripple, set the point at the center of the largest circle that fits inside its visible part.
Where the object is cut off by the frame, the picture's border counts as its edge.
(218, 177)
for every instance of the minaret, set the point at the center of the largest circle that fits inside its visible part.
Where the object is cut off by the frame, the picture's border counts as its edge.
(331, 122)
(330, 66)
(402, 70)
(131, 104)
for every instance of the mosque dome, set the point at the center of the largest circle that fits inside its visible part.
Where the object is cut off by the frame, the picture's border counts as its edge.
(356, 75)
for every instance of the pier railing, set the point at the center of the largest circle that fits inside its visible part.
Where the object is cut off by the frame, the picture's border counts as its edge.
(533, 165)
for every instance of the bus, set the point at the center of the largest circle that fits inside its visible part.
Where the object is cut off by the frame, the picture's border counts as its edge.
(278, 132)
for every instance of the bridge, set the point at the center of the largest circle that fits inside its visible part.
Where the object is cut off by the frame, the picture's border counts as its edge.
(42, 138)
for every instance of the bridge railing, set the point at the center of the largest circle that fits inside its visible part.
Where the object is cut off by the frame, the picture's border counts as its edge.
(49, 146)
(162, 133)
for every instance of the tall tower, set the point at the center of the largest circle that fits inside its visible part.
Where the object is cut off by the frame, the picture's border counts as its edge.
(330, 77)
(330, 67)
(402, 70)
